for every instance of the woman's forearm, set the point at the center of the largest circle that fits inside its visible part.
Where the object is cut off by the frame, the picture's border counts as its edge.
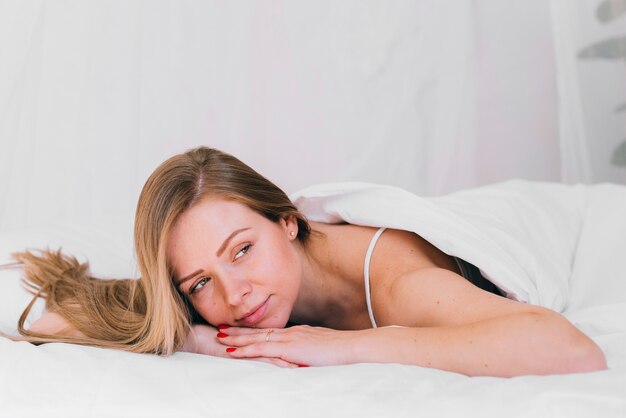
(201, 339)
(519, 344)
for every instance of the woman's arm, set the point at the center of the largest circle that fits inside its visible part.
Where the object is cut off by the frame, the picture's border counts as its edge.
(51, 323)
(518, 344)
(202, 339)
(469, 330)
(448, 324)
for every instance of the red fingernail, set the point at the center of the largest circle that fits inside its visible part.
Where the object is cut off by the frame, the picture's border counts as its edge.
(230, 349)
(221, 335)
(221, 327)
(302, 365)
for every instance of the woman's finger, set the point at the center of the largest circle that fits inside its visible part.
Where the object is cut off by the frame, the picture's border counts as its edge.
(243, 330)
(255, 350)
(242, 339)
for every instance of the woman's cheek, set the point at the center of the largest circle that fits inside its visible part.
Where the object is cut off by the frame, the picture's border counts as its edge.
(208, 312)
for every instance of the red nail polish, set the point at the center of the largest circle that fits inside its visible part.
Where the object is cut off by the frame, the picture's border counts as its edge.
(230, 349)
(221, 327)
(221, 335)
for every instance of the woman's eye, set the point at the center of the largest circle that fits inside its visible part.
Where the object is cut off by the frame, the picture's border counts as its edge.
(199, 285)
(242, 251)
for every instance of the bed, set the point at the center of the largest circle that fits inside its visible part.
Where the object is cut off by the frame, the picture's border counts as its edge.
(64, 380)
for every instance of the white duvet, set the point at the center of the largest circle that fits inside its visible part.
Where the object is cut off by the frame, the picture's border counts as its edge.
(563, 247)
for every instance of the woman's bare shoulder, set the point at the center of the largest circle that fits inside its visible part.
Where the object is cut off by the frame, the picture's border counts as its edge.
(415, 284)
(396, 251)
(399, 252)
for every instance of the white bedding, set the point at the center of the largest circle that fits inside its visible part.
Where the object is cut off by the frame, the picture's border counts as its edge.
(585, 269)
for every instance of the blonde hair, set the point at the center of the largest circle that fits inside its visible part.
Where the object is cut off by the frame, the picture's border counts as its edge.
(149, 315)
(108, 312)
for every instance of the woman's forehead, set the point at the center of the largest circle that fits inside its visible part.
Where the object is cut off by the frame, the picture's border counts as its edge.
(218, 210)
(217, 216)
(203, 228)
(213, 220)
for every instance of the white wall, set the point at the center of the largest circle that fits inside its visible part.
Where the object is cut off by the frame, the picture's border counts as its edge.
(517, 94)
(427, 95)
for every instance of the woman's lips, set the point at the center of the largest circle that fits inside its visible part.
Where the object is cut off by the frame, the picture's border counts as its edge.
(256, 315)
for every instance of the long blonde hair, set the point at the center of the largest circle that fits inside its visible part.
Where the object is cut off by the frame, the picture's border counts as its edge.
(108, 312)
(149, 314)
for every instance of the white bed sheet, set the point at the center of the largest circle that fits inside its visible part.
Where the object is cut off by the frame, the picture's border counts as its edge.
(59, 380)
(63, 380)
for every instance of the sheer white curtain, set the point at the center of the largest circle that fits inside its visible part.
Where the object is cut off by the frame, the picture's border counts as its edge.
(591, 59)
(427, 95)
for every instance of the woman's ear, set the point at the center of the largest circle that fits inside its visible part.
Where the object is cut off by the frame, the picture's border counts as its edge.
(291, 226)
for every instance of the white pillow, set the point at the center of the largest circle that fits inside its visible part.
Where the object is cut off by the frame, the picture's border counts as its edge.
(105, 241)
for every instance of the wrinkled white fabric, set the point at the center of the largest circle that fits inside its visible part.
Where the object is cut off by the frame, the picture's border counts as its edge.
(522, 235)
(66, 380)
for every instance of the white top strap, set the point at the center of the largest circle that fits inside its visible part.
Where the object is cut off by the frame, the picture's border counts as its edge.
(368, 256)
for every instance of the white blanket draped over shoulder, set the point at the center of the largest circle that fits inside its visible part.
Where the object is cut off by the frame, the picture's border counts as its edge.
(523, 236)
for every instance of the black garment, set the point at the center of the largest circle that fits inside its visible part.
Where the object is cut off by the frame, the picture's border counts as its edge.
(472, 274)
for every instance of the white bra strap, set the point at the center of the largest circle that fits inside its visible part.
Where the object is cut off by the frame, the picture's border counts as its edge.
(368, 256)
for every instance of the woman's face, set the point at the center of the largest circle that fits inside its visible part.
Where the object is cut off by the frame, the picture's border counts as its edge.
(236, 266)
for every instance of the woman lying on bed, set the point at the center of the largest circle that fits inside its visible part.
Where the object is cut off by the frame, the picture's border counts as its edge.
(231, 268)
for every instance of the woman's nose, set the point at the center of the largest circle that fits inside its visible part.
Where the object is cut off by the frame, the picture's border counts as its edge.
(235, 290)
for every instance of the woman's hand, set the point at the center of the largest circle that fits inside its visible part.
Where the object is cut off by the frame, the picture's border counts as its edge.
(302, 345)
(506, 346)
(202, 339)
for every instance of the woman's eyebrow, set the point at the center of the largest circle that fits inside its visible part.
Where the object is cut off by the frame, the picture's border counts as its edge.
(191, 276)
(218, 253)
(227, 240)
